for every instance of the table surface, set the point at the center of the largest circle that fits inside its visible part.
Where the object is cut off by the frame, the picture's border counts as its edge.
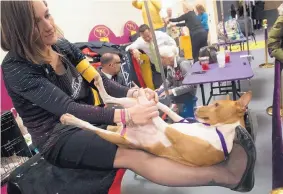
(237, 69)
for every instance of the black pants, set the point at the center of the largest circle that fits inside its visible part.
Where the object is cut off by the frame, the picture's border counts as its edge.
(156, 77)
(258, 24)
(199, 40)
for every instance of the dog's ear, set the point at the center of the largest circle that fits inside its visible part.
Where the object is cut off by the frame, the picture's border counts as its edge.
(245, 99)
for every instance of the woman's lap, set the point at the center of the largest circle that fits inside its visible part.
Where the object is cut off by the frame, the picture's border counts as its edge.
(83, 150)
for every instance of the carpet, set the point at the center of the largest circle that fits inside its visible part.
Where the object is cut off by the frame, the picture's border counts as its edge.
(252, 46)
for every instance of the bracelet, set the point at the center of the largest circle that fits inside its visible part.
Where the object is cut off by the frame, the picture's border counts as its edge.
(129, 118)
(123, 120)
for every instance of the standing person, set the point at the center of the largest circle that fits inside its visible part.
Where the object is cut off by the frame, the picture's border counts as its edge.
(172, 31)
(154, 7)
(111, 68)
(233, 11)
(275, 37)
(145, 43)
(258, 12)
(197, 32)
(202, 16)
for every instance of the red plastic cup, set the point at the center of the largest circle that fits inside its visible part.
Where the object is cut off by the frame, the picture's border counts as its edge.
(204, 62)
(227, 57)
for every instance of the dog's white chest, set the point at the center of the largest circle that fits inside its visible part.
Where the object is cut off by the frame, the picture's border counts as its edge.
(201, 131)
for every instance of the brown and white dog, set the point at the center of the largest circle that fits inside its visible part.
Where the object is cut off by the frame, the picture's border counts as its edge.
(193, 144)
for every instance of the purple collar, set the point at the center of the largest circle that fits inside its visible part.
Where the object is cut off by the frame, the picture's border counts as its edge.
(191, 120)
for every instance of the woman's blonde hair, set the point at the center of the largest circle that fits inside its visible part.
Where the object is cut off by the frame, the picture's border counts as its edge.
(186, 5)
(200, 8)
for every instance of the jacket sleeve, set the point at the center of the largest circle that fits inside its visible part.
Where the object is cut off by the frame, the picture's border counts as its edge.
(157, 4)
(275, 38)
(88, 72)
(178, 19)
(137, 4)
(181, 24)
(183, 89)
(28, 81)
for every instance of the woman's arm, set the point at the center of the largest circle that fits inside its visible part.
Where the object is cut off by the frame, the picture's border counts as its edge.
(88, 72)
(27, 81)
(275, 39)
(204, 19)
(181, 24)
(179, 19)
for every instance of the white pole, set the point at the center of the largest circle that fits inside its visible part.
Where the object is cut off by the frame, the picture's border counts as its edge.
(156, 48)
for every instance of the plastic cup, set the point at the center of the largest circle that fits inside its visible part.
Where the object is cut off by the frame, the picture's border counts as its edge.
(227, 56)
(221, 59)
(204, 62)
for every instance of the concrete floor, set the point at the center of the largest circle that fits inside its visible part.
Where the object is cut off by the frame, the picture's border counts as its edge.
(262, 87)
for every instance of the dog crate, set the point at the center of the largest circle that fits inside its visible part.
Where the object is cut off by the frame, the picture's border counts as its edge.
(14, 150)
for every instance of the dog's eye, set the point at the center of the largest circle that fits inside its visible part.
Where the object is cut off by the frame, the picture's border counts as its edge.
(216, 104)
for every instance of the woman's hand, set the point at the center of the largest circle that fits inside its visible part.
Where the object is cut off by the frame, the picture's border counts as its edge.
(142, 114)
(151, 95)
(164, 94)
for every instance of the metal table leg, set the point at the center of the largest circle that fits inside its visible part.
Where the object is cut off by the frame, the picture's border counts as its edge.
(202, 94)
(234, 90)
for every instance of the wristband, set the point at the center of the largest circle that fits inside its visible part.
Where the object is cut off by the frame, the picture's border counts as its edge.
(123, 120)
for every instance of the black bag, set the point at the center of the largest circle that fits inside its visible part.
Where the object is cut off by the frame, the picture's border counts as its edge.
(209, 51)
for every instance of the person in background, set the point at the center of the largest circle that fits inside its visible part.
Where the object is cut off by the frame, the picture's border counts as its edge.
(197, 32)
(145, 43)
(202, 16)
(258, 13)
(177, 69)
(275, 37)
(154, 7)
(172, 31)
(233, 11)
(111, 67)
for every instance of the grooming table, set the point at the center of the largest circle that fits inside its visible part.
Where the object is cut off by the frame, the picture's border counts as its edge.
(232, 42)
(37, 176)
(238, 69)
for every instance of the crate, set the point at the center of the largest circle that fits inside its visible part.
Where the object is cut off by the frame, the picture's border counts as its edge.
(14, 150)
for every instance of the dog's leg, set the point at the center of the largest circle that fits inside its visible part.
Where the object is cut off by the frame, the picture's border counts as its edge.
(174, 116)
(68, 119)
(107, 99)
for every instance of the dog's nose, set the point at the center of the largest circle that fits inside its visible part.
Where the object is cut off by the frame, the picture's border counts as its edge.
(195, 108)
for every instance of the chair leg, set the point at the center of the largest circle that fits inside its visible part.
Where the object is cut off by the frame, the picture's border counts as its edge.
(254, 38)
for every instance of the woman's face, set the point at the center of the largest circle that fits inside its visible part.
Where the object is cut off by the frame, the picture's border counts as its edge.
(45, 23)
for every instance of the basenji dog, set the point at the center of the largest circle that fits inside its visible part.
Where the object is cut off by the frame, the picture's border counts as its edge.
(205, 141)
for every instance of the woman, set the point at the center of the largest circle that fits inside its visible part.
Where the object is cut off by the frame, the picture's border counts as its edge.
(39, 75)
(197, 32)
(202, 16)
(177, 69)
